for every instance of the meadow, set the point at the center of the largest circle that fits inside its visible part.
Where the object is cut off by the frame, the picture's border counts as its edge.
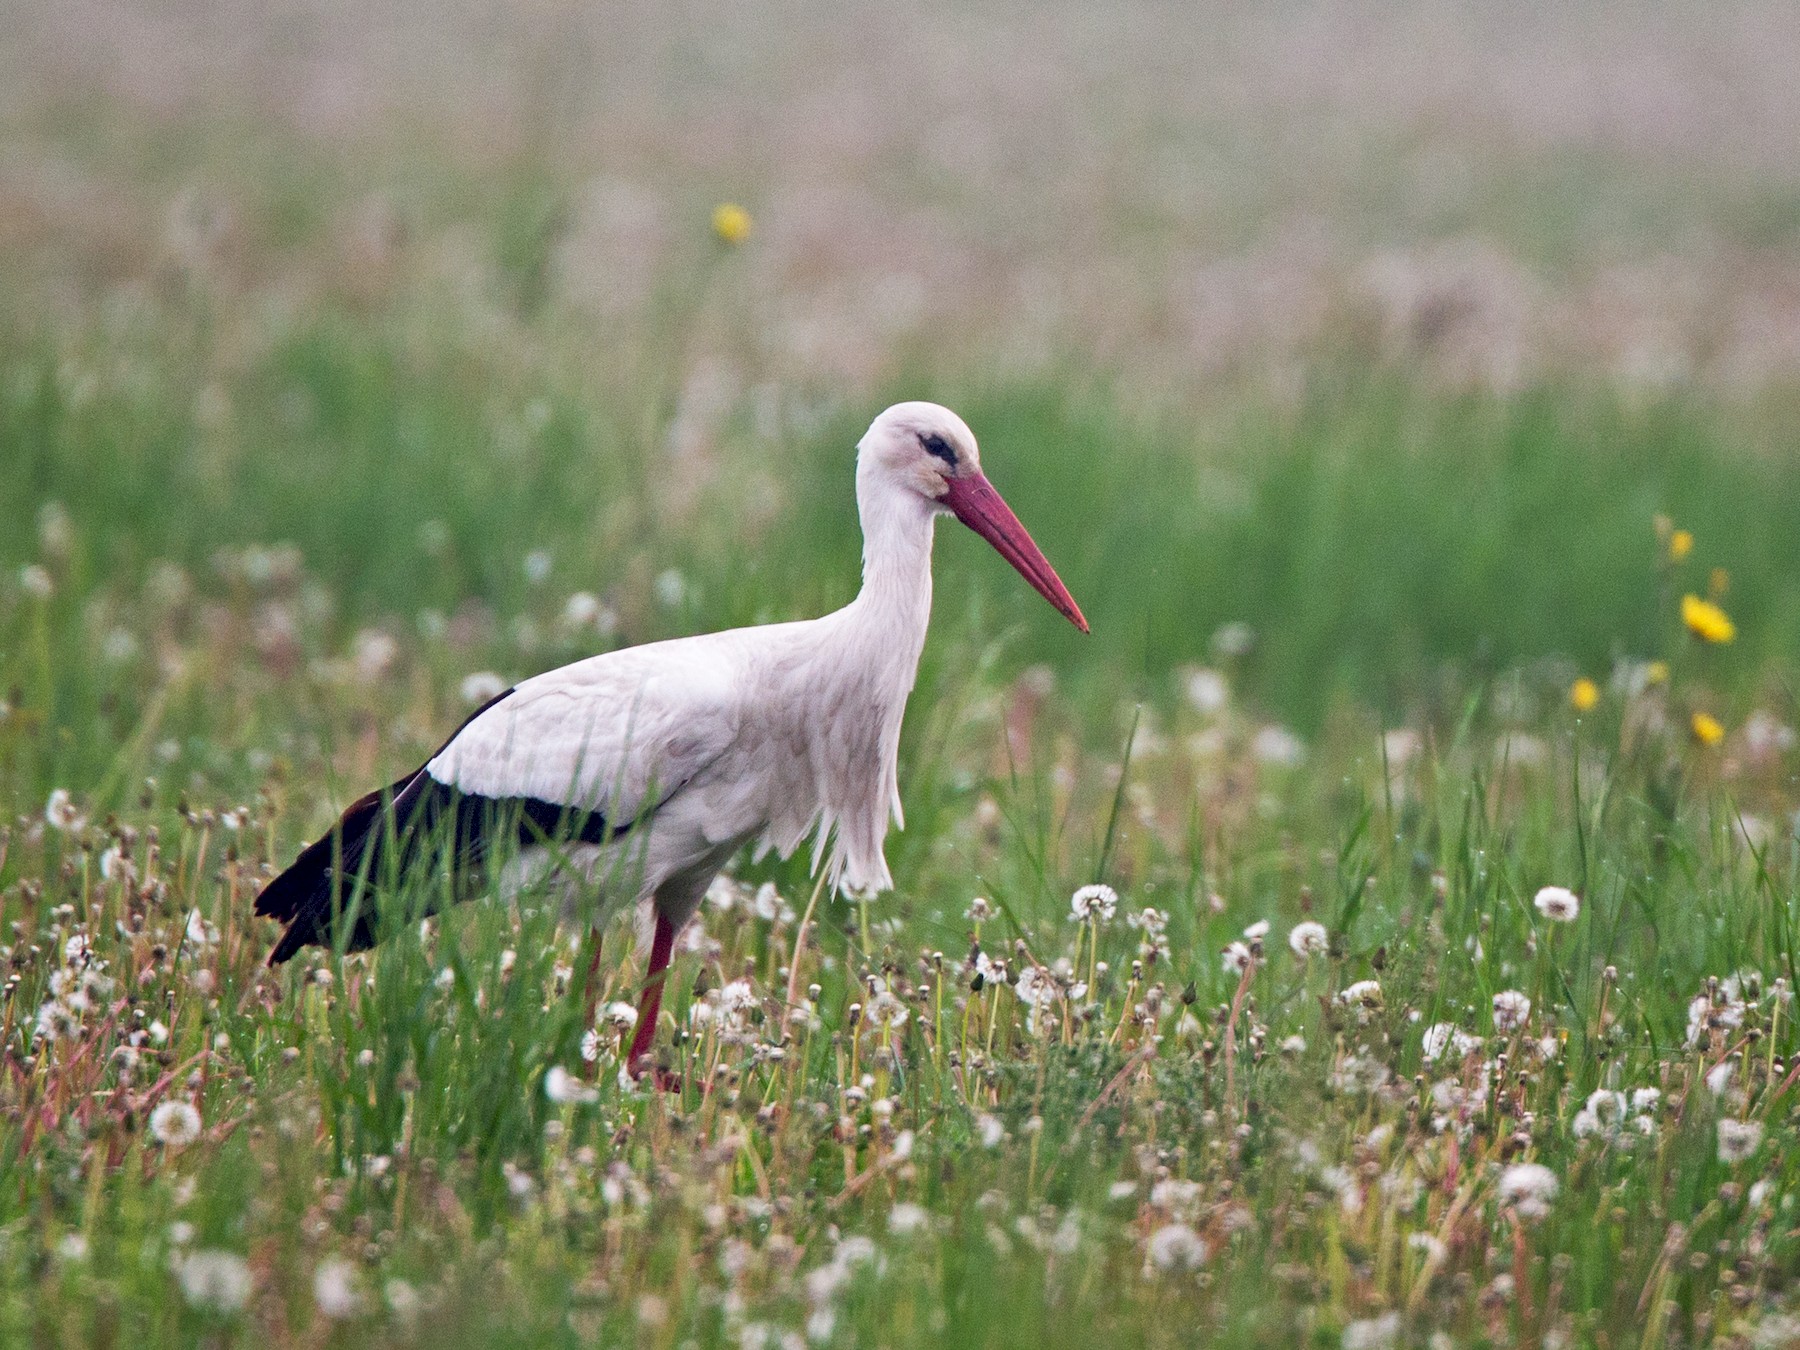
(1380, 931)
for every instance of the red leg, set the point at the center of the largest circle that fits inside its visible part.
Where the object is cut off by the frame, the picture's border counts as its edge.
(650, 1004)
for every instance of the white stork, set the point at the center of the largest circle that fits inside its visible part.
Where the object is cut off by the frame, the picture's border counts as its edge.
(640, 772)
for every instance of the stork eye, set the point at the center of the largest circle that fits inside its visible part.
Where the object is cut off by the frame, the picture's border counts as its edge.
(937, 447)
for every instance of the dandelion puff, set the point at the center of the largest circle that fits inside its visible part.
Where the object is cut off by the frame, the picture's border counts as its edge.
(1529, 1188)
(334, 1289)
(1309, 939)
(1558, 904)
(402, 1299)
(1097, 902)
(565, 1089)
(217, 1280)
(906, 1218)
(620, 1016)
(1511, 1009)
(1738, 1139)
(175, 1124)
(989, 1130)
(1372, 1333)
(1236, 958)
(1437, 1040)
(481, 686)
(1174, 1247)
(61, 813)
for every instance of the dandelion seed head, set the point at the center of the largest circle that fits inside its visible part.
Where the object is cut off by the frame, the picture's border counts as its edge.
(1528, 1188)
(1308, 939)
(1738, 1139)
(1097, 902)
(1173, 1248)
(1559, 904)
(1511, 1010)
(62, 814)
(175, 1124)
(216, 1280)
(335, 1292)
(481, 686)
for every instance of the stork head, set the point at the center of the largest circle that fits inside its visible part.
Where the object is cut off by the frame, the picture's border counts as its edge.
(929, 450)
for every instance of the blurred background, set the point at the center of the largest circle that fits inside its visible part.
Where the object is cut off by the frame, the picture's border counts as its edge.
(1356, 347)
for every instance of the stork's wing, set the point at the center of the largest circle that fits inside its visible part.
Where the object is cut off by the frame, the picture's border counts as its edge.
(585, 752)
(613, 735)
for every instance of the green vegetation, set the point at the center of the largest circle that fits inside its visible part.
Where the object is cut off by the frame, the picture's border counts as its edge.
(1326, 1064)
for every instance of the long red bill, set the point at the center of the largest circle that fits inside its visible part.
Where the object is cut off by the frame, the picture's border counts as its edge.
(974, 502)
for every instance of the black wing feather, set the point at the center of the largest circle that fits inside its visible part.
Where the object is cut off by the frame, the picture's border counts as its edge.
(424, 821)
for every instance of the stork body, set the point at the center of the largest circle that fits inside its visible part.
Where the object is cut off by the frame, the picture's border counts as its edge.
(639, 773)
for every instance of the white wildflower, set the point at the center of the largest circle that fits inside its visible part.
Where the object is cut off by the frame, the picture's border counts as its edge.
(1098, 902)
(214, 1279)
(200, 933)
(1529, 1188)
(1208, 691)
(906, 1218)
(402, 1299)
(175, 1124)
(1373, 1333)
(334, 1288)
(1308, 939)
(62, 813)
(1276, 745)
(1174, 1247)
(372, 652)
(1511, 1010)
(1437, 1040)
(565, 1089)
(1738, 1139)
(1558, 904)
(481, 687)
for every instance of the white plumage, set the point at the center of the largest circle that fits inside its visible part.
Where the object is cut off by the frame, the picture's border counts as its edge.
(689, 749)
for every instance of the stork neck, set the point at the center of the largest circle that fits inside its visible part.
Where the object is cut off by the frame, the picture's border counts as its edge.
(896, 586)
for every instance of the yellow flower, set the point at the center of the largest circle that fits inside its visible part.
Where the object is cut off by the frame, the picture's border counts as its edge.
(1708, 730)
(1584, 694)
(731, 223)
(1657, 672)
(1681, 543)
(1706, 621)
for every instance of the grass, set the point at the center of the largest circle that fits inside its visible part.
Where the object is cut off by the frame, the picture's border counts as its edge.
(273, 557)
